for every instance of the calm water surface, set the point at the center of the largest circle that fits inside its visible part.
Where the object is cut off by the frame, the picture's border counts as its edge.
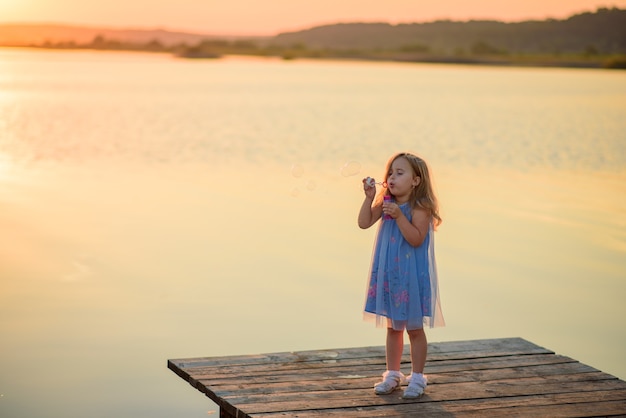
(156, 208)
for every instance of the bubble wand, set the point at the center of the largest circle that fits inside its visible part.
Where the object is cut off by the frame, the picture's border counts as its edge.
(371, 183)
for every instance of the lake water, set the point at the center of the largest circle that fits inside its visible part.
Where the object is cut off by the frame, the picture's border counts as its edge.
(155, 208)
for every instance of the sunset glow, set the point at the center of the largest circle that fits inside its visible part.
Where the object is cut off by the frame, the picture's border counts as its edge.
(249, 17)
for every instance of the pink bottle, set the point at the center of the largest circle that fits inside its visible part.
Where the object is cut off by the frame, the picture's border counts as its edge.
(387, 198)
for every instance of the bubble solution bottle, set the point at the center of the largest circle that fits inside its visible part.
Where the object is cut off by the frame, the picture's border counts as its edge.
(387, 199)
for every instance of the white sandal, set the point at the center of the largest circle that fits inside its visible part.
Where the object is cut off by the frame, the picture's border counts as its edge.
(417, 385)
(392, 380)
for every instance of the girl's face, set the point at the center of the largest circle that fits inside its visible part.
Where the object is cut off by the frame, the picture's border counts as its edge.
(401, 179)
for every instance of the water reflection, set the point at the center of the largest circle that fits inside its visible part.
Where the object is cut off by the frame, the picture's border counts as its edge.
(215, 214)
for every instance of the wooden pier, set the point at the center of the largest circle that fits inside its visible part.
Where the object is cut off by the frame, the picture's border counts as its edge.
(499, 377)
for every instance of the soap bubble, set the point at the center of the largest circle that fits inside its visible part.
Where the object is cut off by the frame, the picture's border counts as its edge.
(297, 170)
(311, 185)
(295, 192)
(351, 168)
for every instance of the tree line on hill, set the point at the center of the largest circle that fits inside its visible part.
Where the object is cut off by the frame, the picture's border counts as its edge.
(591, 39)
(603, 31)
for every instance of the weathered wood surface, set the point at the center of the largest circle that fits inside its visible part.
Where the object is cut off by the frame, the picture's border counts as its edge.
(497, 377)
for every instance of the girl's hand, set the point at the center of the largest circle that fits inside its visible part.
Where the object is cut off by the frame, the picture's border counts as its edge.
(369, 188)
(391, 209)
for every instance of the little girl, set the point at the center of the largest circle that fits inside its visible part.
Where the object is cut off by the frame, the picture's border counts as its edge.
(402, 292)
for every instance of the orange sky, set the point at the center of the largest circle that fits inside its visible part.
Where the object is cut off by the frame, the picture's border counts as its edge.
(268, 17)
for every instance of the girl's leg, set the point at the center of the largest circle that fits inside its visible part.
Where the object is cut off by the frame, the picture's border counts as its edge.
(417, 380)
(394, 346)
(419, 348)
(392, 378)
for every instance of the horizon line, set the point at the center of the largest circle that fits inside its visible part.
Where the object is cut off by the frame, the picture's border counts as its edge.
(311, 26)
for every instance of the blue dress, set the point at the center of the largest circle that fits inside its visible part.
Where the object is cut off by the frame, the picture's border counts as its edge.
(402, 292)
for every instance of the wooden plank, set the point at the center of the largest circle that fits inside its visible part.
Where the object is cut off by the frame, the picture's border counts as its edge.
(444, 392)
(217, 374)
(466, 378)
(297, 386)
(285, 368)
(274, 402)
(595, 409)
(443, 351)
(489, 407)
(339, 368)
(365, 378)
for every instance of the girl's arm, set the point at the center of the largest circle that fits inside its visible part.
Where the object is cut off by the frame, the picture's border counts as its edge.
(368, 215)
(415, 231)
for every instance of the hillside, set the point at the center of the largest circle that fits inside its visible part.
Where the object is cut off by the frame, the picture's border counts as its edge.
(603, 32)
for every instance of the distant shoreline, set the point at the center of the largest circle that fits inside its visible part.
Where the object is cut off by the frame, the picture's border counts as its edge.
(586, 40)
(521, 61)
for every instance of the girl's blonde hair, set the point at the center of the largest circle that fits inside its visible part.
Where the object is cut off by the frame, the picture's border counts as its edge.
(422, 196)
